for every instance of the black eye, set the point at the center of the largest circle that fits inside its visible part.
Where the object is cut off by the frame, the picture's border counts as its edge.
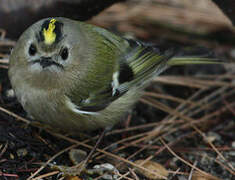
(64, 53)
(32, 50)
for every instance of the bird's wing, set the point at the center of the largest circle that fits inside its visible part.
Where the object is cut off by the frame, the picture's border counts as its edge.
(140, 64)
(137, 66)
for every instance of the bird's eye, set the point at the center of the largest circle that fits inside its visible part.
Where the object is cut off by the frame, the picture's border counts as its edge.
(32, 50)
(64, 53)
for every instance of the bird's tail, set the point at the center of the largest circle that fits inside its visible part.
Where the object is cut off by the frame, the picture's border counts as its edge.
(194, 55)
(175, 61)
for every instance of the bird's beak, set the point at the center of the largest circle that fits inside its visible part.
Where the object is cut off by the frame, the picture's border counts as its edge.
(47, 62)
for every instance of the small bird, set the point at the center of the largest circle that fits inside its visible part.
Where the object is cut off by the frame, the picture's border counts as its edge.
(77, 77)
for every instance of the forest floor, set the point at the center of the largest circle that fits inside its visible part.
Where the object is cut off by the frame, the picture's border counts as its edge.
(183, 127)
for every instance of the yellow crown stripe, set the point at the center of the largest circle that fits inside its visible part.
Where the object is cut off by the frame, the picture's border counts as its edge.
(49, 34)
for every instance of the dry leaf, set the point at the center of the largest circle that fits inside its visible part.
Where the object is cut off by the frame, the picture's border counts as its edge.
(77, 156)
(154, 167)
(73, 178)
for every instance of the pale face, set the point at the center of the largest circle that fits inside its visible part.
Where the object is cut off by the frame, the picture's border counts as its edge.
(47, 49)
(48, 53)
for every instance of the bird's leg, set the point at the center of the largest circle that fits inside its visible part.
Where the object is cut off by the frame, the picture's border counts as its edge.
(85, 162)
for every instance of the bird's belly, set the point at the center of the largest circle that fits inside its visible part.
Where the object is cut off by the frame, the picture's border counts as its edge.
(38, 104)
(50, 109)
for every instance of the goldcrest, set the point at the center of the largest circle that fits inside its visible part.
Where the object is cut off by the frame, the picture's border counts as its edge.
(76, 76)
